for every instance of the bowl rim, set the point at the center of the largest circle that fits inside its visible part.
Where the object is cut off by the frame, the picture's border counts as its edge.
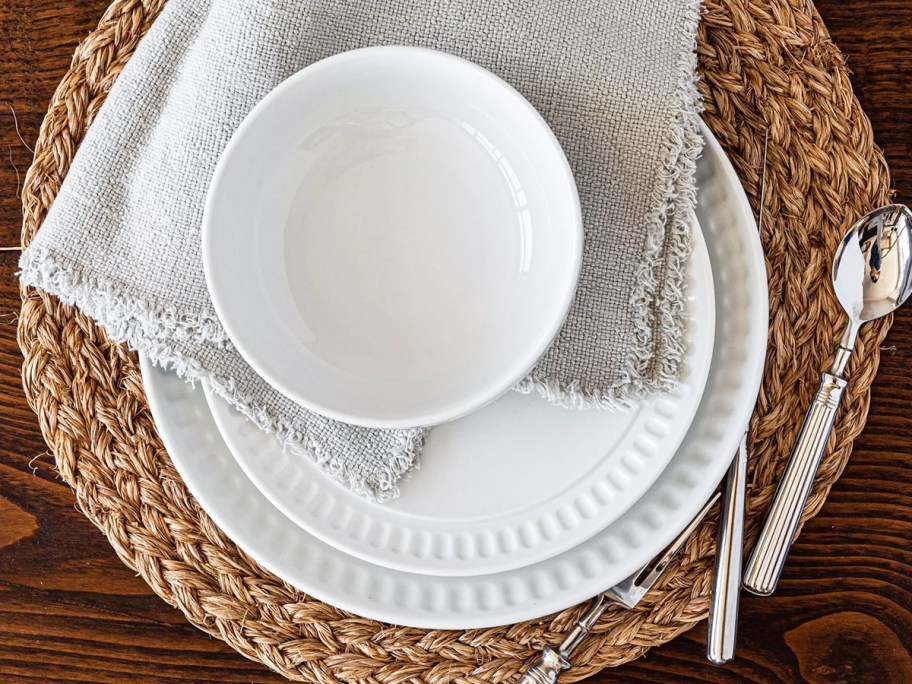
(498, 384)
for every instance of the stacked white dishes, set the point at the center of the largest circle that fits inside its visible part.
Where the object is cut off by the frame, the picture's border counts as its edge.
(521, 508)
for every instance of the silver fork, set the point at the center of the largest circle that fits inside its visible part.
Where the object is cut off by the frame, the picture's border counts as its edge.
(628, 593)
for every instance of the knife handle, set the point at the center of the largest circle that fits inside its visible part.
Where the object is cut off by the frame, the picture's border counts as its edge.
(782, 519)
(723, 610)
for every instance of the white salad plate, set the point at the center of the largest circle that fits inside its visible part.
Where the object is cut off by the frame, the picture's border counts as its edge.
(512, 484)
(235, 504)
(392, 237)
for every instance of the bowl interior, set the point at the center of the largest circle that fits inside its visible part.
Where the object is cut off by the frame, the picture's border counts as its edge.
(392, 237)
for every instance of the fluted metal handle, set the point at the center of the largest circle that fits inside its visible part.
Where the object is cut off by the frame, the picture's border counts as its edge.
(768, 557)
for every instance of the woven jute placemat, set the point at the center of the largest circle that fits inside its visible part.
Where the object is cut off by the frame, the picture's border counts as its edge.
(763, 65)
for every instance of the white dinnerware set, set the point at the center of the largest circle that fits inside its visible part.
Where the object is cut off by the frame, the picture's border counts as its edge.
(400, 256)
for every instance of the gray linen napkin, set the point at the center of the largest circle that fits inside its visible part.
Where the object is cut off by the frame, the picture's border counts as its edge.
(614, 79)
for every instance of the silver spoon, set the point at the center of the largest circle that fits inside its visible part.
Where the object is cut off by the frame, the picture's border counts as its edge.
(872, 276)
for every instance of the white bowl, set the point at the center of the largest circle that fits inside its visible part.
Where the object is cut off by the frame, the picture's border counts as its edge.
(392, 237)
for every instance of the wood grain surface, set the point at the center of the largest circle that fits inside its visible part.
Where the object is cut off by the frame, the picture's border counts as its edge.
(70, 611)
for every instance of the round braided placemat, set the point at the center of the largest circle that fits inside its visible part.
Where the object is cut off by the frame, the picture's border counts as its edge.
(763, 65)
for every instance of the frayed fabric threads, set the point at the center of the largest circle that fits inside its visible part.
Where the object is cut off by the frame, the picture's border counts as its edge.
(160, 335)
(616, 83)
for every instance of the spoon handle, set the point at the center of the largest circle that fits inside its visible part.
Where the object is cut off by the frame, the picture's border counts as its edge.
(782, 519)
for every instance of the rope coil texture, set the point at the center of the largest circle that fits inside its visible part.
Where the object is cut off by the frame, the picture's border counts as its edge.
(763, 65)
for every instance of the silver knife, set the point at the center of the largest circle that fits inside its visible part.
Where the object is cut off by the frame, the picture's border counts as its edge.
(723, 610)
(628, 593)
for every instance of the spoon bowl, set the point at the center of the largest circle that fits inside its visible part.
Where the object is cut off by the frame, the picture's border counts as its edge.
(872, 269)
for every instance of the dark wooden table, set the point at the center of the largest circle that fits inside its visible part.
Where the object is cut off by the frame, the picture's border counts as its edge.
(70, 611)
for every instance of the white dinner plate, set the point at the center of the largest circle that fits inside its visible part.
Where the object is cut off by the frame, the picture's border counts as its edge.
(514, 483)
(392, 237)
(261, 530)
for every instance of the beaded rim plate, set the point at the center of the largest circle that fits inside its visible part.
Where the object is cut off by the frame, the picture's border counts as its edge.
(189, 433)
(510, 485)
